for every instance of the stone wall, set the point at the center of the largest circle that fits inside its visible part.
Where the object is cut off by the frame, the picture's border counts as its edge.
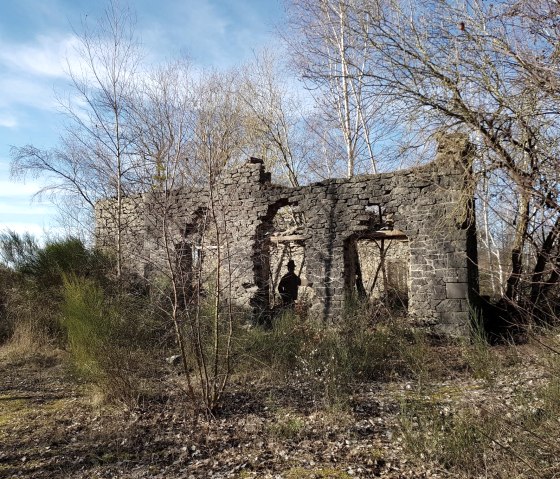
(429, 207)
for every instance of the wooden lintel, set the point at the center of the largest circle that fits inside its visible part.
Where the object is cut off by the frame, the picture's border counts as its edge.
(388, 234)
(287, 238)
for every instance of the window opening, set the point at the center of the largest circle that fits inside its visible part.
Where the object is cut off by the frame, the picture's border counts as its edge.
(377, 269)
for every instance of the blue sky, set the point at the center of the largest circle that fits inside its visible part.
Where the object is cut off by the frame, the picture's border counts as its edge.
(37, 35)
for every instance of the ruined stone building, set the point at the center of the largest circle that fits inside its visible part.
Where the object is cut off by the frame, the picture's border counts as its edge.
(425, 213)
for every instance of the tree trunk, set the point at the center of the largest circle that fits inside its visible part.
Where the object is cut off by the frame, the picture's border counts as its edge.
(512, 288)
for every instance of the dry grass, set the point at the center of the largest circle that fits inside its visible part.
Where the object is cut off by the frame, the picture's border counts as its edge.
(453, 423)
(505, 427)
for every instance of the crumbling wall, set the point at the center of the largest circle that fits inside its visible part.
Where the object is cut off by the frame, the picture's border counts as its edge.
(430, 207)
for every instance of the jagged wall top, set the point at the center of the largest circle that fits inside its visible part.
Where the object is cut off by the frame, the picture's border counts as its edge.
(427, 205)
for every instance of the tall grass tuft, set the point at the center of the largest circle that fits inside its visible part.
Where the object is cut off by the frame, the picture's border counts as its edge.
(479, 356)
(100, 339)
(88, 326)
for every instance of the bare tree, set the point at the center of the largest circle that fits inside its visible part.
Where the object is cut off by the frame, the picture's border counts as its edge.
(94, 159)
(330, 57)
(186, 134)
(275, 119)
(219, 130)
(490, 71)
(162, 123)
(162, 129)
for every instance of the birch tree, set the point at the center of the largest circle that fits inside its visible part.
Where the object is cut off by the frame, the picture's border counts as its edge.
(330, 59)
(491, 71)
(95, 156)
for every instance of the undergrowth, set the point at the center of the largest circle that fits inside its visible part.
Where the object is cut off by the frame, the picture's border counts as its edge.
(331, 359)
(114, 334)
(106, 335)
(515, 438)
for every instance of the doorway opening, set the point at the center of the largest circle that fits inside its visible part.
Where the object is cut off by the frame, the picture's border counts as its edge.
(280, 239)
(287, 243)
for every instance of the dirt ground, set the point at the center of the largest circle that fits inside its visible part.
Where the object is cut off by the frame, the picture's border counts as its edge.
(51, 427)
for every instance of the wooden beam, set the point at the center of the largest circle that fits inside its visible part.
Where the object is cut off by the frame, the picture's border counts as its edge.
(383, 234)
(287, 238)
(387, 234)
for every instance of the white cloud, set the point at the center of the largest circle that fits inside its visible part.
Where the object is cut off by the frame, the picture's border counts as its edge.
(19, 214)
(24, 209)
(44, 57)
(16, 189)
(8, 121)
(208, 31)
(21, 91)
(30, 71)
(13, 189)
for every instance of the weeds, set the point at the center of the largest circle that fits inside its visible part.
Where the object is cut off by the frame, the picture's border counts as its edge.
(108, 330)
(31, 284)
(501, 437)
(288, 426)
(277, 349)
(479, 356)
(31, 321)
(99, 337)
(330, 359)
(317, 473)
(457, 440)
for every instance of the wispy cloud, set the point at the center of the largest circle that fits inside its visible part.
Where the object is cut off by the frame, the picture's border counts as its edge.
(22, 210)
(44, 56)
(38, 45)
(17, 211)
(37, 230)
(25, 92)
(213, 32)
(8, 121)
(16, 191)
(31, 71)
(24, 190)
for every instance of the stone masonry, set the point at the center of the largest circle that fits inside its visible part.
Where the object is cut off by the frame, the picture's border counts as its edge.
(429, 206)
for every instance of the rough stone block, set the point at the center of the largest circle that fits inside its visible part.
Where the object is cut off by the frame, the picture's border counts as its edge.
(449, 306)
(457, 290)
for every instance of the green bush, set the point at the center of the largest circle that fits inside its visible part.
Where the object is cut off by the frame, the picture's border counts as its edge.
(68, 257)
(30, 301)
(88, 327)
(100, 337)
